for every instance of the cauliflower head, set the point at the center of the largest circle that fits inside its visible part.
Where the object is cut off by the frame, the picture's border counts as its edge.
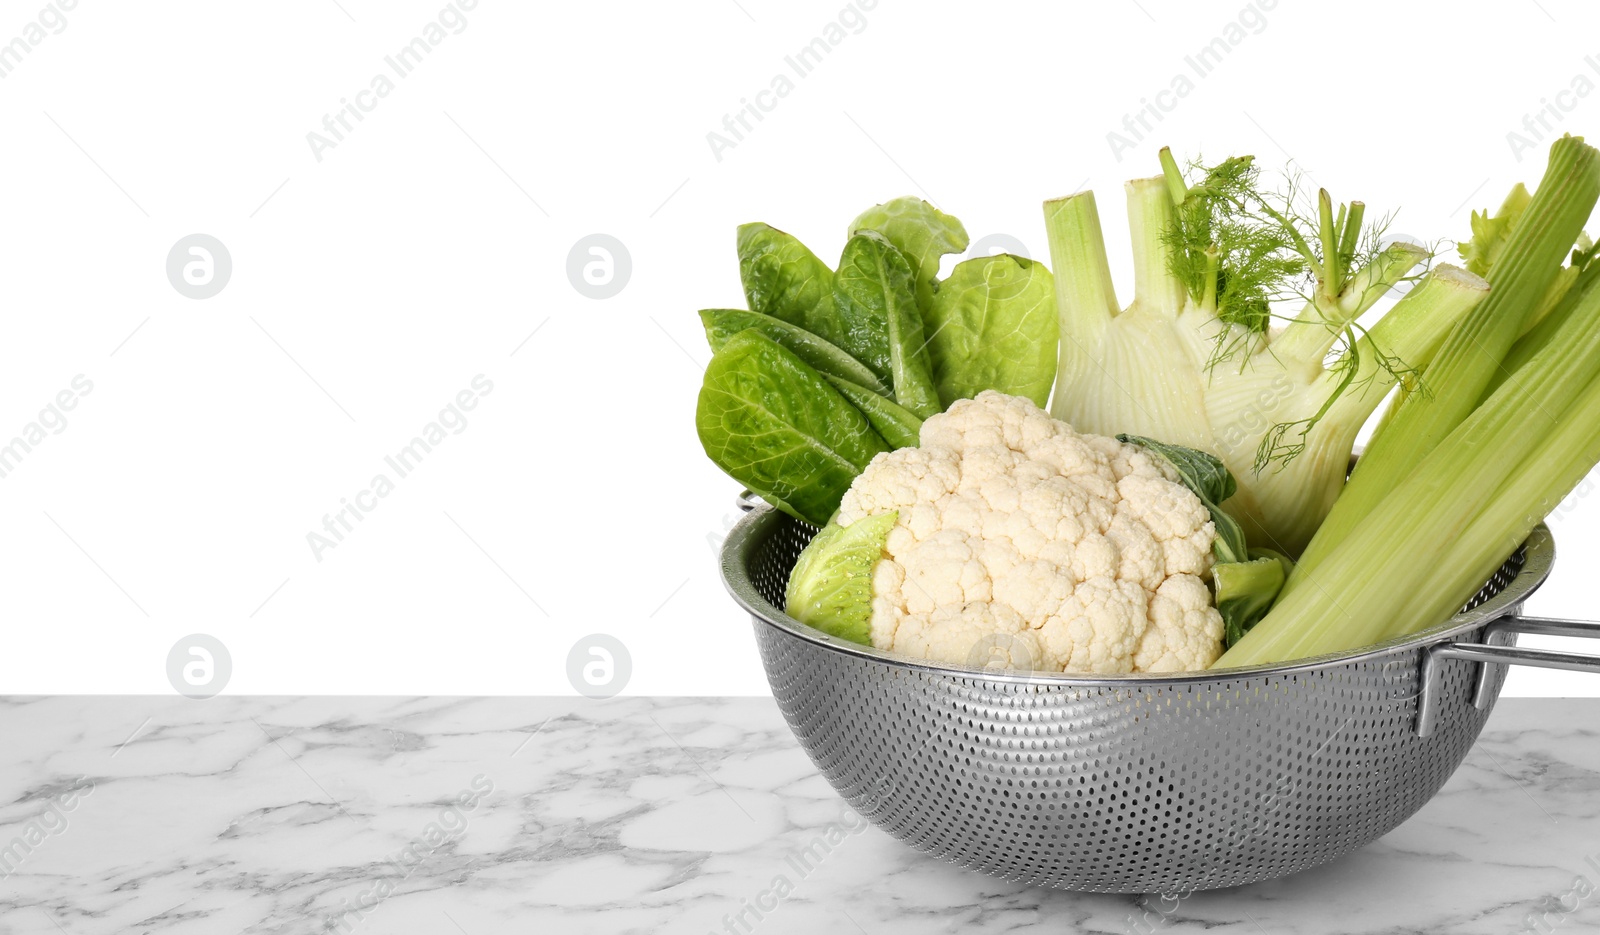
(1020, 540)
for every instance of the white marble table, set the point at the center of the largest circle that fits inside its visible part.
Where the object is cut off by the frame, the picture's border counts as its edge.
(485, 816)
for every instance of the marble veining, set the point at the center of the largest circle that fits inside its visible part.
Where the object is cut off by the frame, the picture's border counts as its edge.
(393, 816)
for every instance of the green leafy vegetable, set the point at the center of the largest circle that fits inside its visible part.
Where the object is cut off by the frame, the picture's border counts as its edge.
(831, 585)
(884, 321)
(723, 323)
(779, 427)
(920, 231)
(1490, 233)
(993, 326)
(899, 426)
(785, 280)
(880, 323)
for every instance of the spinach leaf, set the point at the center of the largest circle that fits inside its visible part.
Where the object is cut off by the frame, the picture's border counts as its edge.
(898, 425)
(784, 279)
(920, 231)
(881, 325)
(993, 326)
(723, 323)
(831, 585)
(774, 424)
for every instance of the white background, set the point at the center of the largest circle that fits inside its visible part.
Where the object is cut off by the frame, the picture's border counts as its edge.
(368, 288)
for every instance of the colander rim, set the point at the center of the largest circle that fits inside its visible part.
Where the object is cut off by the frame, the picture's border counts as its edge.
(742, 539)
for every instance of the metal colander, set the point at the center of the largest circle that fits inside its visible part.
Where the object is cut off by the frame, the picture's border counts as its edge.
(1140, 783)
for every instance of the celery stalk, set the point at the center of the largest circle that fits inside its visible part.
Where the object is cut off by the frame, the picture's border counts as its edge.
(1395, 555)
(1546, 475)
(1455, 381)
(1540, 335)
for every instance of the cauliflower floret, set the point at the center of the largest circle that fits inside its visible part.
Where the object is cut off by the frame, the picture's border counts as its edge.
(1173, 514)
(979, 633)
(1183, 627)
(1098, 628)
(1020, 541)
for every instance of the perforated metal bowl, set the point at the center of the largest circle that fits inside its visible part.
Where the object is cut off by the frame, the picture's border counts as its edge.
(1139, 783)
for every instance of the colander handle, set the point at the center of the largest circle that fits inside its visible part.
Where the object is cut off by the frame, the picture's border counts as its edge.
(747, 500)
(1487, 653)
